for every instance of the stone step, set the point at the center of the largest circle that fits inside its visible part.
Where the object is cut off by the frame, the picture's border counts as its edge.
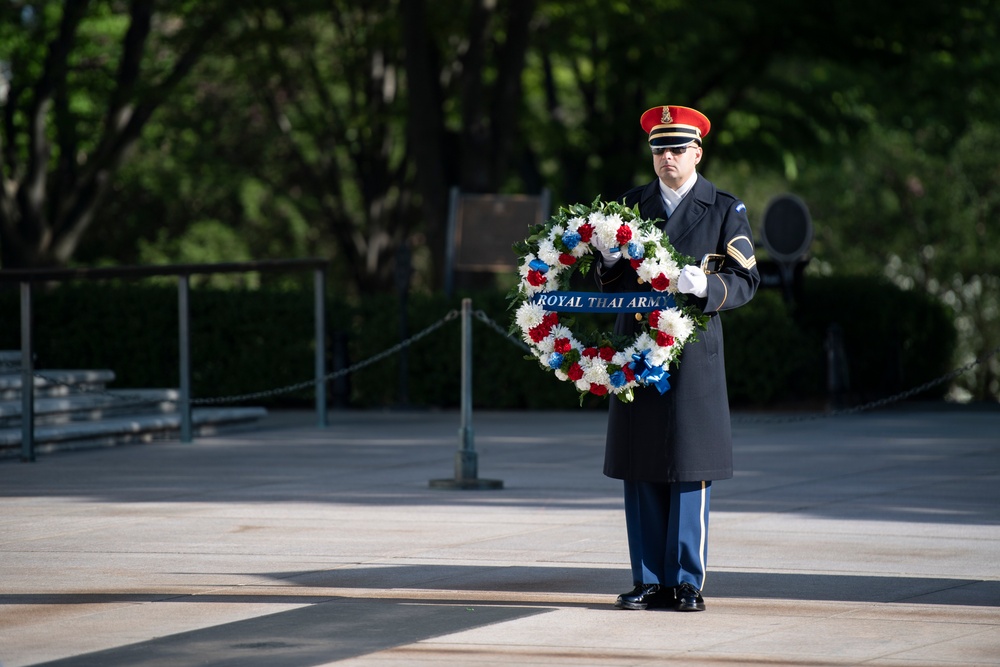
(55, 382)
(72, 409)
(91, 406)
(121, 430)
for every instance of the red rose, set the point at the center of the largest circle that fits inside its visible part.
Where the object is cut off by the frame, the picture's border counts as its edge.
(575, 372)
(661, 282)
(664, 339)
(654, 319)
(550, 318)
(635, 263)
(606, 353)
(629, 373)
(536, 278)
(598, 389)
(567, 259)
(539, 333)
(563, 345)
(623, 235)
(590, 352)
(586, 231)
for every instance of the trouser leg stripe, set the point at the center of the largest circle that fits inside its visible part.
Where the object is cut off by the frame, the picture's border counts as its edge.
(704, 536)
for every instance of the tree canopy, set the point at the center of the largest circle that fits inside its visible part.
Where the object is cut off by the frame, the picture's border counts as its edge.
(147, 131)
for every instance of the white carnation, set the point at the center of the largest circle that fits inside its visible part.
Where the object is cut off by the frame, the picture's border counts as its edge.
(560, 331)
(529, 315)
(606, 229)
(596, 373)
(660, 356)
(670, 268)
(642, 342)
(648, 270)
(676, 324)
(525, 265)
(650, 234)
(548, 253)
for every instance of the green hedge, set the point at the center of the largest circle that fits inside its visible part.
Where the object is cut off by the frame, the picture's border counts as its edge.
(247, 341)
(241, 341)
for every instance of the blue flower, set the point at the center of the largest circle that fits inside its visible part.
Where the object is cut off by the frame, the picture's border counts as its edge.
(636, 250)
(570, 239)
(538, 265)
(618, 379)
(555, 361)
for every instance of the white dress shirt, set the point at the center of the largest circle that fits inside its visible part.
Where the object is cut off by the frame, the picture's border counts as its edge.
(672, 198)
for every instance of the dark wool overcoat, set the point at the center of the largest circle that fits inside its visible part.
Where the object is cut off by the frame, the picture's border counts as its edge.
(684, 435)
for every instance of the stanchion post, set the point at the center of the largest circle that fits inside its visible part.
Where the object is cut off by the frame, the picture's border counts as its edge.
(466, 458)
(184, 340)
(27, 378)
(319, 297)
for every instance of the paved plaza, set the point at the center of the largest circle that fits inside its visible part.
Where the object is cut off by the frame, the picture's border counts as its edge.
(870, 539)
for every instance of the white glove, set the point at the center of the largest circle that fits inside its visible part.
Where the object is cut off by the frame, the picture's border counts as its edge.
(693, 281)
(610, 255)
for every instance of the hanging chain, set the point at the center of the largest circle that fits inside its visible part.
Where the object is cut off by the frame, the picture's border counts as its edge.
(257, 394)
(335, 374)
(878, 403)
(483, 317)
(882, 402)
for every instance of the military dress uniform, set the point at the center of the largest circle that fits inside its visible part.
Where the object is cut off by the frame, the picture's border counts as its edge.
(669, 447)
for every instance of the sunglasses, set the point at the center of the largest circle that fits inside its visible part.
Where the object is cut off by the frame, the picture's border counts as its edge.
(674, 150)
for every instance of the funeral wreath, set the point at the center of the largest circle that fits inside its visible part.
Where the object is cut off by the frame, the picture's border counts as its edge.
(600, 362)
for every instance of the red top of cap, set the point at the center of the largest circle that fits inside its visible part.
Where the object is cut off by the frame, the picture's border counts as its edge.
(678, 122)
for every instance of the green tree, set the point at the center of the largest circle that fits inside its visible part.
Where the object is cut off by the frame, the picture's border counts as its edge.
(83, 78)
(346, 123)
(379, 110)
(337, 128)
(899, 208)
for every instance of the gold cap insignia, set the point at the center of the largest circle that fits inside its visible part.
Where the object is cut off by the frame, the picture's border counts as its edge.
(666, 117)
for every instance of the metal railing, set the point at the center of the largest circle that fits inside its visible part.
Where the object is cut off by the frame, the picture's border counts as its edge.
(465, 463)
(29, 277)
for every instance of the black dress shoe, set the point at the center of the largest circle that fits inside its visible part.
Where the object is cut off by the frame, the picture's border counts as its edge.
(646, 596)
(689, 598)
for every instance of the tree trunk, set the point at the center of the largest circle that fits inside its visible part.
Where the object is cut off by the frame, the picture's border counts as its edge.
(46, 207)
(426, 132)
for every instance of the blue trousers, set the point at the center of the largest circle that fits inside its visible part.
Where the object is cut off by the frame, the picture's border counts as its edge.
(667, 528)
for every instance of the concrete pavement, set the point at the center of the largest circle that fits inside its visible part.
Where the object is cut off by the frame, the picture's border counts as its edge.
(870, 539)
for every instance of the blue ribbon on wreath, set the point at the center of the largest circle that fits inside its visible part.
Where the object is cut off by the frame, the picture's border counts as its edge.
(598, 302)
(538, 265)
(649, 375)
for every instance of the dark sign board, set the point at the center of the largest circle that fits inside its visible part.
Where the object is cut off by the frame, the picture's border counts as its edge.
(485, 227)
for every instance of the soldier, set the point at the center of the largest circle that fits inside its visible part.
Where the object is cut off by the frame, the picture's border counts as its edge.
(669, 447)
